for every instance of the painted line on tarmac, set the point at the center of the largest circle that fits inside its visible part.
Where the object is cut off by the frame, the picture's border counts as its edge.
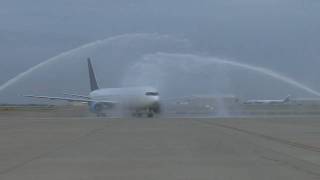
(264, 136)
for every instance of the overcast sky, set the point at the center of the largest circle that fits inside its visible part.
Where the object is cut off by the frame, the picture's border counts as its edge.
(283, 35)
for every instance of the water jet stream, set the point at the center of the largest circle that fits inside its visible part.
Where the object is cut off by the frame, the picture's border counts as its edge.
(125, 39)
(167, 58)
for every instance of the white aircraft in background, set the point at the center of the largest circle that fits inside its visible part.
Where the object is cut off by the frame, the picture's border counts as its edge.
(138, 100)
(281, 101)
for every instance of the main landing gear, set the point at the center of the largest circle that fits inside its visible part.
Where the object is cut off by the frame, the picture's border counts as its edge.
(149, 113)
(101, 115)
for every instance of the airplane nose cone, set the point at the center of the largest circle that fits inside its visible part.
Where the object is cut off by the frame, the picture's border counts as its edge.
(153, 99)
(156, 98)
(155, 104)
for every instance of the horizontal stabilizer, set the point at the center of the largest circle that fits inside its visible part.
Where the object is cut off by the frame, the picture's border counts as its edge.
(84, 100)
(77, 95)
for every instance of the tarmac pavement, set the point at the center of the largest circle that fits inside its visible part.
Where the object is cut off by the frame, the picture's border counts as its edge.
(160, 148)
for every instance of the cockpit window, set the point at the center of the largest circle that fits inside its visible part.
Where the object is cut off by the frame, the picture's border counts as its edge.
(152, 93)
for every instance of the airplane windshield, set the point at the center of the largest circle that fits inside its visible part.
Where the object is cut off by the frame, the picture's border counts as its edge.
(152, 93)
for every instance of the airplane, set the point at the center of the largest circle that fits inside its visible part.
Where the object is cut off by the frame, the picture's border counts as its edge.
(281, 101)
(137, 100)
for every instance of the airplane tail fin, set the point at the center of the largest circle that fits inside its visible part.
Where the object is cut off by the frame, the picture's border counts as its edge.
(287, 99)
(92, 77)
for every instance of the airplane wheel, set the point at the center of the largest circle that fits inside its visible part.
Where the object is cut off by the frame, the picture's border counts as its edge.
(150, 114)
(101, 115)
(136, 114)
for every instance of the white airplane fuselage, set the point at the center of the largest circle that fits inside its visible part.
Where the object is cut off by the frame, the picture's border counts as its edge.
(129, 97)
(265, 102)
(281, 101)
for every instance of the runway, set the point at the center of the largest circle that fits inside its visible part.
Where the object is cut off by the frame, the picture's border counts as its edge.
(76, 148)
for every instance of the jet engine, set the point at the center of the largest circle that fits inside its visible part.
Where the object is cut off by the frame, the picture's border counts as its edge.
(96, 107)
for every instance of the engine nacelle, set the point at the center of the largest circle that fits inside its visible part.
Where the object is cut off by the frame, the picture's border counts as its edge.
(96, 107)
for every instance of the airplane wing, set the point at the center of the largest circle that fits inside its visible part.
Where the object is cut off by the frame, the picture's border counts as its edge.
(76, 95)
(84, 100)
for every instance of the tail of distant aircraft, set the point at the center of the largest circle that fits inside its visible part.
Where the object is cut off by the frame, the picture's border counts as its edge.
(287, 99)
(92, 77)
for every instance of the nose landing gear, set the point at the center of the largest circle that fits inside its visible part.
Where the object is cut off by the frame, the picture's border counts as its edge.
(150, 113)
(147, 113)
